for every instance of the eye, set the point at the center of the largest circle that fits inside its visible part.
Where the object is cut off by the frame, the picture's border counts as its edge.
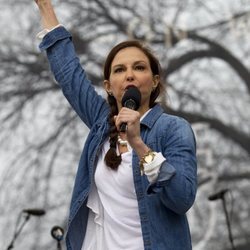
(118, 70)
(140, 67)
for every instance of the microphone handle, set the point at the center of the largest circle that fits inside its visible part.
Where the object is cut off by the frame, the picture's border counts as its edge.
(131, 104)
(123, 127)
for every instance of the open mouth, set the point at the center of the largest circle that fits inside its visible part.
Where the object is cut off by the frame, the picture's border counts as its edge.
(130, 86)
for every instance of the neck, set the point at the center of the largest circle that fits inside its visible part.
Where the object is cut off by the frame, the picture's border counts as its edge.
(142, 110)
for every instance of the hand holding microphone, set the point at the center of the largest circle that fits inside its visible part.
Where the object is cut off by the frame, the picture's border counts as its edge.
(132, 100)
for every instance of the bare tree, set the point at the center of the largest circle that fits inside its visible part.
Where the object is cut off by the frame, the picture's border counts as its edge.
(204, 52)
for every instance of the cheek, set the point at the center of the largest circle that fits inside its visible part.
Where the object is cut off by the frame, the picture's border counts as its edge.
(116, 88)
(146, 87)
(116, 83)
(147, 83)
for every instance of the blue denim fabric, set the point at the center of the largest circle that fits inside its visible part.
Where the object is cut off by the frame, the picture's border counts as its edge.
(163, 205)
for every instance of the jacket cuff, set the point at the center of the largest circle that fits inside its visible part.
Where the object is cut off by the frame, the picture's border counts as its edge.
(53, 36)
(167, 171)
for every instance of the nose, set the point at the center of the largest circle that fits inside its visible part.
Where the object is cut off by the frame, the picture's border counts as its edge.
(130, 78)
(130, 75)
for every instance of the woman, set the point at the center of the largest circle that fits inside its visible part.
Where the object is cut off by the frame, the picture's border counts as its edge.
(133, 188)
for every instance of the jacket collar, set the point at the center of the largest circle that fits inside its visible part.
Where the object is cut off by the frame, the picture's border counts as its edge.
(152, 116)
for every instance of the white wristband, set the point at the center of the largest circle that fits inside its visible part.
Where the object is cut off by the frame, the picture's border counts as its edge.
(42, 33)
(152, 169)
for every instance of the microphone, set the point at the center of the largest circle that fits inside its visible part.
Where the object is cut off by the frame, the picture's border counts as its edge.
(35, 212)
(218, 195)
(132, 100)
(57, 233)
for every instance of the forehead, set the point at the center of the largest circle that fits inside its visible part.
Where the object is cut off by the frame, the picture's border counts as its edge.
(129, 55)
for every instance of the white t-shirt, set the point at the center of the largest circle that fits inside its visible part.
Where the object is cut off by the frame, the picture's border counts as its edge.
(114, 221)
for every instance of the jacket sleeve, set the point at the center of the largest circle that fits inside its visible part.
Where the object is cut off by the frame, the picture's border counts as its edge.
(177, 181)
(71, 77)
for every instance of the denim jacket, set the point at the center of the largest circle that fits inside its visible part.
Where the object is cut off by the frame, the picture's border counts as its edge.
(162, 205)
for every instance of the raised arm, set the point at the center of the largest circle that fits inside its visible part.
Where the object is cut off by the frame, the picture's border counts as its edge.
(66, 68)
(48, 16)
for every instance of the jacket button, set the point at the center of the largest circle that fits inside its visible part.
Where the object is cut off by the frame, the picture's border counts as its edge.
(147, 242)
(140, 194)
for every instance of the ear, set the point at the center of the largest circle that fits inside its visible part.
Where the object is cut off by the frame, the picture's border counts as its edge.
(156, 80)
(106, 84)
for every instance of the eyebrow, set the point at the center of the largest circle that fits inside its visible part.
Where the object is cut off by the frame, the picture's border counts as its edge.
(136, 62)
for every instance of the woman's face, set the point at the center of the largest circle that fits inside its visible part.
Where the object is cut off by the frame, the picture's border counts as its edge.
(131, 67)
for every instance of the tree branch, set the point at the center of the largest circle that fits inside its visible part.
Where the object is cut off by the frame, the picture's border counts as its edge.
(228, 131)
(215, 50)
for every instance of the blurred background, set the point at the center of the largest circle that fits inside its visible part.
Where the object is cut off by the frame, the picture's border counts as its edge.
(204, 50)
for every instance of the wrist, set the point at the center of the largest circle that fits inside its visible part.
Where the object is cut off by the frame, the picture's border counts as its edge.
(49, 19)
(44, 5)
(139, 146)
(147, 158)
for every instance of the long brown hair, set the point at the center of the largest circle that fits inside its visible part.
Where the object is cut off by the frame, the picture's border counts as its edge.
(111, 158)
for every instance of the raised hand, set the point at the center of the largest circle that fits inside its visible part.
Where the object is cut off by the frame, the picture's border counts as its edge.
(49, 19)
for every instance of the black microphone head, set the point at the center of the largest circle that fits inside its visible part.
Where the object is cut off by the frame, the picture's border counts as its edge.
(218, 195)
(132, 98)
(35, 212)
(57, 233)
